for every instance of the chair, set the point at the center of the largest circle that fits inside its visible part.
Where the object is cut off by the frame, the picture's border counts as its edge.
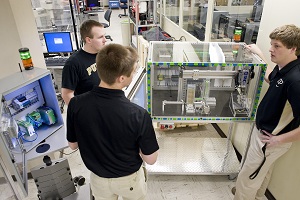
(123, 5)
(107, 15)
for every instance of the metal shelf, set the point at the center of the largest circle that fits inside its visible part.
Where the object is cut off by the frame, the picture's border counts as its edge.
(195, 156)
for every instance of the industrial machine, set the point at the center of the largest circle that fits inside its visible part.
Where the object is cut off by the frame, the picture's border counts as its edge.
(201, 83)
(31, 124)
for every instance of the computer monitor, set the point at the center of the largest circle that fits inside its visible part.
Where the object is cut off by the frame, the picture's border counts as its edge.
(58, 42)
(92, 3)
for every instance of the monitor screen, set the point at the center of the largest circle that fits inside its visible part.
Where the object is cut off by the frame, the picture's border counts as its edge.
(93, 3)
(58, 42)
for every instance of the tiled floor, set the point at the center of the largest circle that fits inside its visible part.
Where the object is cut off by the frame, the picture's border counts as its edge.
(168, 187)
(160, 187)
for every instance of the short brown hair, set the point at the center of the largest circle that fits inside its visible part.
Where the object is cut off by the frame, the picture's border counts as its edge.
(115, 60)
(86, 29)
(289, 35)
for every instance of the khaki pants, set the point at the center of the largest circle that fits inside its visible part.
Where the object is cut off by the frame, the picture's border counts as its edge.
(131, 187)
(247, 189)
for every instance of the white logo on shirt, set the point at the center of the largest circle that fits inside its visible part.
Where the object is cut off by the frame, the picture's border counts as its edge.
(279, 82)
(91, 69)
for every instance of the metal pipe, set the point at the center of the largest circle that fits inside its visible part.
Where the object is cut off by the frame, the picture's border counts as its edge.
(74, 24)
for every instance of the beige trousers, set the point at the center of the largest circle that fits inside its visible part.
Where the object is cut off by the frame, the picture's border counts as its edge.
(131, 187)
(247, 189)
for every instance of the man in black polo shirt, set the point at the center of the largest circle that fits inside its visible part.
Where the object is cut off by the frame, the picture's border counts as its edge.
(114, 136)
(278, 114)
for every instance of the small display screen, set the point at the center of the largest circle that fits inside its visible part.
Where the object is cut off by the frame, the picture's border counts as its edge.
(58, 42)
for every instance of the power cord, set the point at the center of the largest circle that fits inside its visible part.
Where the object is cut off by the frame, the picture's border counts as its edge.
(68, 153)
(21, 135)
(180, 39)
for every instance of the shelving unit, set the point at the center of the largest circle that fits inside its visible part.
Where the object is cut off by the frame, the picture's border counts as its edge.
(144, 15)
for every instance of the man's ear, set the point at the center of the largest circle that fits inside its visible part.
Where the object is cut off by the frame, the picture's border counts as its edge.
(293, 49)
(87, 40)
(121, 79)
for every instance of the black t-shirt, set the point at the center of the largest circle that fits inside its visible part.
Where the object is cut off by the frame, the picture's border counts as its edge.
(110, 131)
(80, 72)
(284, 86)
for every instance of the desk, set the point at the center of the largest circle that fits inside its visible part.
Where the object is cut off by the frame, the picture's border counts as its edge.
(92, 14)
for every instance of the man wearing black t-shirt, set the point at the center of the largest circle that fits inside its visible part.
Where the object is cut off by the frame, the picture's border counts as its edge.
(278, 114)
(114, 135)
(80, 73)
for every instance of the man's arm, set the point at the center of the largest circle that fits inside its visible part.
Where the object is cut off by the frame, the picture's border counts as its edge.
(273, 140)
(67, 95)
(256, 50)
(149, 159)
(73, 145)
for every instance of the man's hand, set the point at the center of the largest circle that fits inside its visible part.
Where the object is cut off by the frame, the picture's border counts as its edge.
(271, 140)
(254, 49)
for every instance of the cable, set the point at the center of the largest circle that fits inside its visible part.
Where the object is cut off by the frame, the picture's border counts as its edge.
(29, 140)
(180, 39)
(68, 153)
(22, 136)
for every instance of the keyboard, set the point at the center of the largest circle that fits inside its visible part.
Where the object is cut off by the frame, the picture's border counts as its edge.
(56, 61)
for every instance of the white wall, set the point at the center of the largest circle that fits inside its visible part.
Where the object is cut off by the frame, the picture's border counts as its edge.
(18, 30)
(285, 179)
(10, 41)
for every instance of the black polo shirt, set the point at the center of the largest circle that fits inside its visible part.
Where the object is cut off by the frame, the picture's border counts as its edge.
(110, 131)
(284, 89)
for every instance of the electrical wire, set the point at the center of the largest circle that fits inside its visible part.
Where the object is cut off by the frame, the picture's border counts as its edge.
(22, 136)
(68, 153)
